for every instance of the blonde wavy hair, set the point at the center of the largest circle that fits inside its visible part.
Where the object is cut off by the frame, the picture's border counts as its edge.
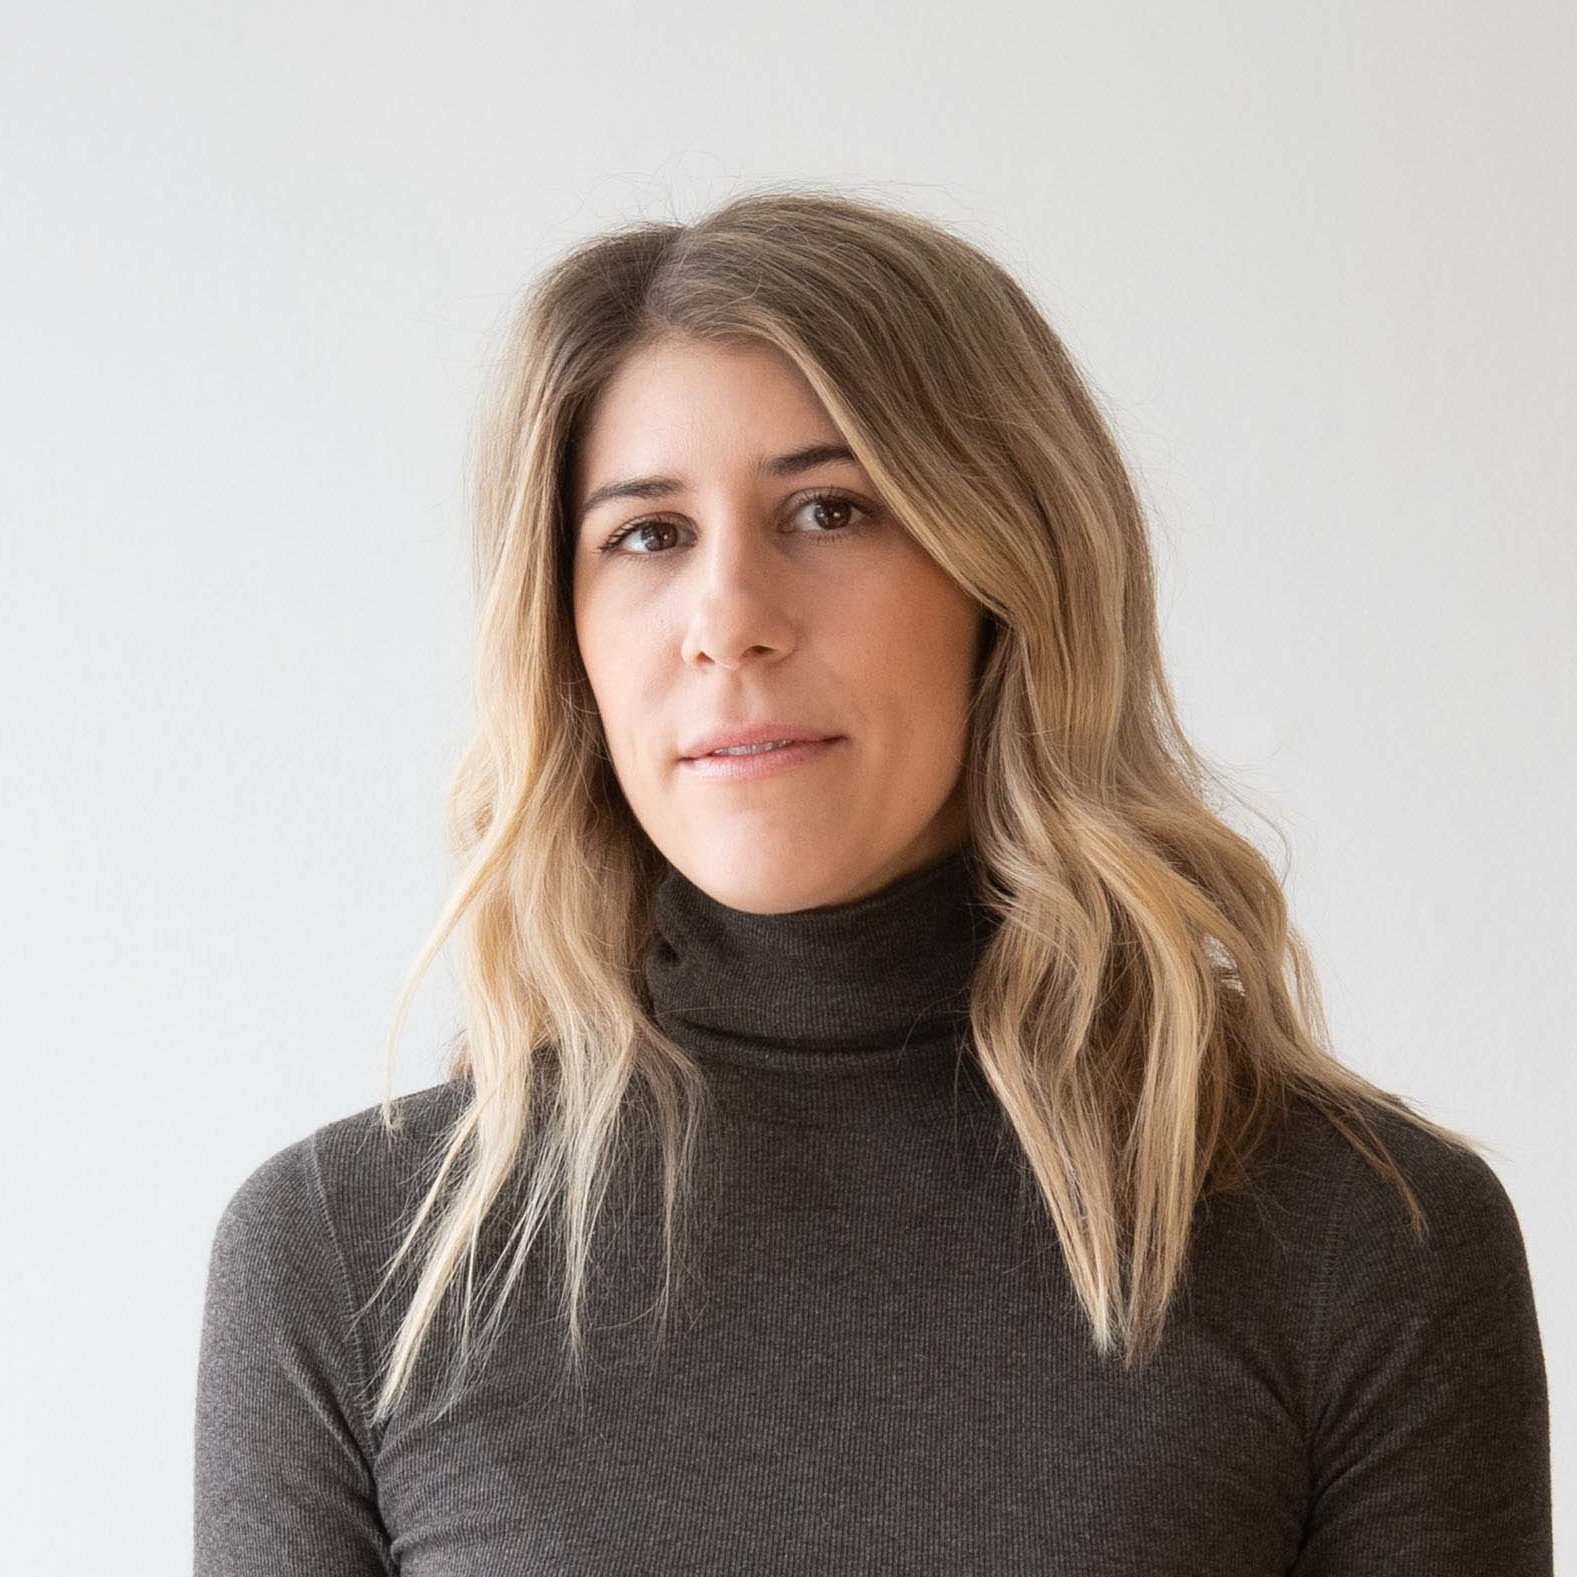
(1143, 1010)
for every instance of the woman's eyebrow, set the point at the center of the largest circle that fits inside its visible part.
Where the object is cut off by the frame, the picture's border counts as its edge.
(790, 464)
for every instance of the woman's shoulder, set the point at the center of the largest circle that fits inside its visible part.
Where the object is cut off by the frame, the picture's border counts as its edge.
(1311, 1167)
(1321, 1250)
(360, 1151)
(1416, 1353)
(351, 1175)
(1325, 1230)
(1462, 1257)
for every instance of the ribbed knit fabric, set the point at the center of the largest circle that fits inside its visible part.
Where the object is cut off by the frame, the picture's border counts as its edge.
(875, 1362)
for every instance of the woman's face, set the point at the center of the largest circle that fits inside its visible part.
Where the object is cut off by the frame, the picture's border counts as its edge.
(738, 599)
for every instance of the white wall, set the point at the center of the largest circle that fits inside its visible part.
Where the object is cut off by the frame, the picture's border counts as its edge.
(1317, 259)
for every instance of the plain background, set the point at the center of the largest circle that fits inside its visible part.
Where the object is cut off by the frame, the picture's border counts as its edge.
(1317, 261)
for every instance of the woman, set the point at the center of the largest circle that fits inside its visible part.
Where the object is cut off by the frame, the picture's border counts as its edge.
(892, 1129)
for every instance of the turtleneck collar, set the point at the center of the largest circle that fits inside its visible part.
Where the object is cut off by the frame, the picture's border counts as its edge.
(852, 984)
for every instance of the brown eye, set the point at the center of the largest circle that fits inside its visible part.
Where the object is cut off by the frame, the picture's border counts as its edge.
(836, 503)
(644, 527)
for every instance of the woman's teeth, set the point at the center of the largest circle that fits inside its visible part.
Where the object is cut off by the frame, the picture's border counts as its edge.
(751, 750)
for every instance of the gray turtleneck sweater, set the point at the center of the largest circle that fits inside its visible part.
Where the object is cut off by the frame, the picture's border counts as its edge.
(875, 1363)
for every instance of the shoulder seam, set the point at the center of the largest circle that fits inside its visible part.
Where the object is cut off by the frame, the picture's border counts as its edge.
(364, 1430)
(1317, 1321)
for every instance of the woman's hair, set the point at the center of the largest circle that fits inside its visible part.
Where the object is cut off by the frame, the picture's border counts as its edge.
(1143, 1009)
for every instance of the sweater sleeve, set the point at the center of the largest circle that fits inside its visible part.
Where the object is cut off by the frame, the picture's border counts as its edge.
(1429, 1426)
(283, 1482)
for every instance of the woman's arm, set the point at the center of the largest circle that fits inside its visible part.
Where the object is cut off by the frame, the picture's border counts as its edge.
(1429, 1428)
(283, 1481)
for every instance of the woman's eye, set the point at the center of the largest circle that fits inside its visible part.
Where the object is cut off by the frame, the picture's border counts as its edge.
(837, 504)
(834, 502)
(639, 529)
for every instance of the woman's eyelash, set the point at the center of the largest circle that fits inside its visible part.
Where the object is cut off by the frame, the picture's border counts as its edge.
(830, 497)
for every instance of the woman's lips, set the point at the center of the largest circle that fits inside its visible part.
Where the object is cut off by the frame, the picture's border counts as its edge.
(762, 763)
